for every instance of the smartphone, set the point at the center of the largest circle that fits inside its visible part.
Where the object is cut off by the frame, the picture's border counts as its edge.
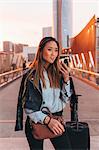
(66, 62)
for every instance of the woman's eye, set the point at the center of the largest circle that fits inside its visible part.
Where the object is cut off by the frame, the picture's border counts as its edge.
(56, 50)
(49, 49)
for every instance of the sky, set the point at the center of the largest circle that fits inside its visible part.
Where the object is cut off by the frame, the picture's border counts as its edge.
(21, 21)
(83, 11)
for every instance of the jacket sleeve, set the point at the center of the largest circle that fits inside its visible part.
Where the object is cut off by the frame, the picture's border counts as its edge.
(37, 116)
(33, 98)
(19, 111)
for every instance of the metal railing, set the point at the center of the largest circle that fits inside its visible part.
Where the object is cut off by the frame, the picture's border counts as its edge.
(7, 77)
(89, 75)
(10, 76)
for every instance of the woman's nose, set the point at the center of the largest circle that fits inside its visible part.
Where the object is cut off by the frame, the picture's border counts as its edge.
(53, 53)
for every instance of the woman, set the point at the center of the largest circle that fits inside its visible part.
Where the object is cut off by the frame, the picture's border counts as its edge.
(45, 84)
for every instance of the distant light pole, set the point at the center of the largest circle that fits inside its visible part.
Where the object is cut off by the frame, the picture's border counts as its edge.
(97, 45)
(97, 49)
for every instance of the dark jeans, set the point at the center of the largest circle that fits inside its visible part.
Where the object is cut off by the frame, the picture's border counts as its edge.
(59, 143)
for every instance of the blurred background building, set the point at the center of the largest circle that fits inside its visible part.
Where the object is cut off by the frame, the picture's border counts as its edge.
(62, 21)
(85, 47)
(29, 53)
(8, 46)
(46, 31)
(14, 55)
(4, 62)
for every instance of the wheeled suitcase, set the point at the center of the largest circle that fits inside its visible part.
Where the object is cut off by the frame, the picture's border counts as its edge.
(78, 135)
(78, 132)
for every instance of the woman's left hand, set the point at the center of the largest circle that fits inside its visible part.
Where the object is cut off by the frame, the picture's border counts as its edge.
(64, 70)
(56, 126)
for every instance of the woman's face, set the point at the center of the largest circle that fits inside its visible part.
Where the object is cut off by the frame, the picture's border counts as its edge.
(50, 52)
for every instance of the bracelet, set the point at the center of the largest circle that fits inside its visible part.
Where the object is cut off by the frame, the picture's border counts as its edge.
(66, 82)
(49, 121)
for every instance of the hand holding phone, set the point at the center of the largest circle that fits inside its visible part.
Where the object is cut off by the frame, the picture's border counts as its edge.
(64, 70)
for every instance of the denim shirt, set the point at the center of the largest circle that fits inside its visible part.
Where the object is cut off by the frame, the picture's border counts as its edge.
(54, 99)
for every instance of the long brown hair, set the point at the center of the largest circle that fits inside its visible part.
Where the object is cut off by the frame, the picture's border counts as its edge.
(38, 65)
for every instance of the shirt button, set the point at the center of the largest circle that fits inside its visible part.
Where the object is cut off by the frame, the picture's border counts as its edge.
(43, 102)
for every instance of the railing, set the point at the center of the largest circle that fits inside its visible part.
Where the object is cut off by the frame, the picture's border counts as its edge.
(84, 74)
(10, 76)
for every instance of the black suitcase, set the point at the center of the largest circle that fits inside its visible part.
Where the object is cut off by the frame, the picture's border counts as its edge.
(78, 132)
(78, 135)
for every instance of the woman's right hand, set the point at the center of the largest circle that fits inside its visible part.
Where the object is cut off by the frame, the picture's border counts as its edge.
(56, 127)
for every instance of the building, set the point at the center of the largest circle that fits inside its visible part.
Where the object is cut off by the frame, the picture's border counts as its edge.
(13, 47)
(8, 46)
(15, 53)
(29, 53)
(85, 46)
(62, 21)
(46, 31)
(16, 60)
(97, 45)
(18, 48)
(4, 62)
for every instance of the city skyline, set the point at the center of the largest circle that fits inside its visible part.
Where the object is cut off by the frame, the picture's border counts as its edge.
(22, 21)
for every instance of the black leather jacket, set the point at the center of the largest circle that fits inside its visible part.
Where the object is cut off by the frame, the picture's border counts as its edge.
(31, 100)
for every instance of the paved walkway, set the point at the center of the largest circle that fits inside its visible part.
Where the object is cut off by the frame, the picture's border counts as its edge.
(21, 144)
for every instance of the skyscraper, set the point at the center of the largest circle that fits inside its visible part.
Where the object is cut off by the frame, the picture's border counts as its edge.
(62, 21)
(46, 31)
(8, 46)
